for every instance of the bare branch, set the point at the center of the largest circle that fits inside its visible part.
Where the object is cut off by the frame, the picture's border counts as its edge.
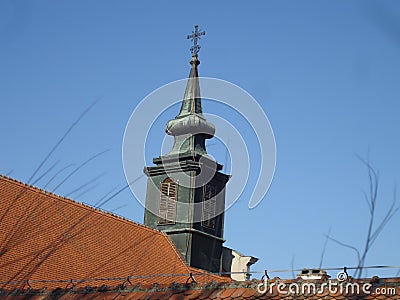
(367, 202)
(61, 140)
(101, 203)
(86, 191)
(78, 168)
(46, 172)
(85, 184)
(373, 231)
(324, 248)
(106, 195)
(345, 245)
(119, 207)
(55, 175)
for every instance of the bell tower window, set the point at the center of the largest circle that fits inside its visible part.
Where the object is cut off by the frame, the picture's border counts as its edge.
(167, 207)
(209, 203)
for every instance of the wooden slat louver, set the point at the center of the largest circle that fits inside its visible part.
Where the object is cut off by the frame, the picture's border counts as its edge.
(167, 207)
(209, 204)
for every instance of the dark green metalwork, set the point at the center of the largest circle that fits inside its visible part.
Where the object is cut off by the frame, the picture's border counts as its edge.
(190, 128)
(201, 246)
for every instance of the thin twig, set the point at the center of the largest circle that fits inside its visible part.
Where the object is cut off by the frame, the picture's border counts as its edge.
(61, 140)
(324, 248)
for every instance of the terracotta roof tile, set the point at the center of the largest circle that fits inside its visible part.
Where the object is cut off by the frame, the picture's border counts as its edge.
(206, 294)
(227, 291)
(193, 294)
(49, 240)
(177, 297)
(164, 295)
(238, 293)
(226, 294)
(248, 293)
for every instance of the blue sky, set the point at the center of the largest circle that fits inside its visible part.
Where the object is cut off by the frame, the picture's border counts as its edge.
(326, 74)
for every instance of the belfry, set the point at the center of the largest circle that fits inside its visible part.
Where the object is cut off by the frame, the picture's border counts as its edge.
(185, 195)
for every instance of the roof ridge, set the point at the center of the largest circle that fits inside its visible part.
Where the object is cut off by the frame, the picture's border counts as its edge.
(213, 275)
(76, 203)
(221, 290)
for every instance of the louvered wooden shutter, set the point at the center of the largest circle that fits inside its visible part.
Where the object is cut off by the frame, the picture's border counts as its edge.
(209, 204)
(167, 208)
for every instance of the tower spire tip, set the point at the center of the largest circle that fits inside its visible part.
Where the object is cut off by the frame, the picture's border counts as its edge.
(195, 37)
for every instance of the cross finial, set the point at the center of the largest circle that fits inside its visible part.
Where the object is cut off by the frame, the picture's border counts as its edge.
(195, 36)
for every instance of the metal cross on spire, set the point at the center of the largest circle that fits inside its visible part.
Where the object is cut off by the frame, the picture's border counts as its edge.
(195, 36)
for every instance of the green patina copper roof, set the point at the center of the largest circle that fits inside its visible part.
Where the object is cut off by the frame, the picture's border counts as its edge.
(191, 103)
(190, 128)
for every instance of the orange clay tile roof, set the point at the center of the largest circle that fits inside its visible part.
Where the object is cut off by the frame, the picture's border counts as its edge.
(388, 289)
(47, 240)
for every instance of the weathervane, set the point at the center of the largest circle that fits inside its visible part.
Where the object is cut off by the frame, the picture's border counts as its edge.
(195, 36)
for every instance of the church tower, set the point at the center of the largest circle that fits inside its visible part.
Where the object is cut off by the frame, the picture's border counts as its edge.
(185, 195)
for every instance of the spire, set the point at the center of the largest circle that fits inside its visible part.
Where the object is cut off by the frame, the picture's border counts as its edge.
(191, 103)
(190, 128)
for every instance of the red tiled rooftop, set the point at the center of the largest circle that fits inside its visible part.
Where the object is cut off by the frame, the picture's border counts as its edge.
(228, 291)
(47, 240)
